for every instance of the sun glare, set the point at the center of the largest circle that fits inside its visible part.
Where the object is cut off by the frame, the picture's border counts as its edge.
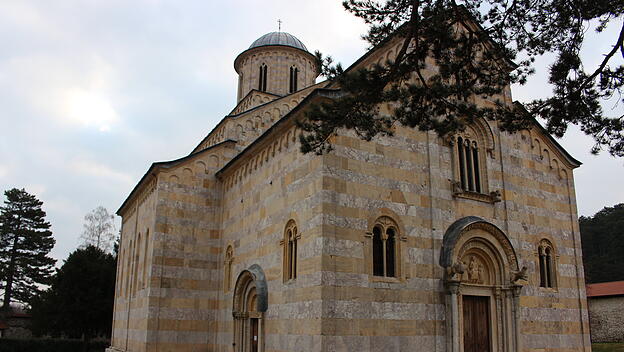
(91, 110)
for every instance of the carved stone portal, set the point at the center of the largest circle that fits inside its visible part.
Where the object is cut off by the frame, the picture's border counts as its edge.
(481, 265)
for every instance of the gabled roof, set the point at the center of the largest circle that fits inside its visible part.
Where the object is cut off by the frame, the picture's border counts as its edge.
(316, 93)
(165, 165)
(567, 157)
(613, 288)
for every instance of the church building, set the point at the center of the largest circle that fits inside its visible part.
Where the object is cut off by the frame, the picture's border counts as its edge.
(410, 242)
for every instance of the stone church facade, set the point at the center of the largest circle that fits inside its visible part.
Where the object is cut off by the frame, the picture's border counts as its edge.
(409, 242)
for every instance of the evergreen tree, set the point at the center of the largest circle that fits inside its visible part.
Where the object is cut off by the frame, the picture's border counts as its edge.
(79, 303)
(25, 242)
(602, 237)
(455, 61)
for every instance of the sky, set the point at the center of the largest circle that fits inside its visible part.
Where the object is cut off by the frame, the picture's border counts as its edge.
(93, 92)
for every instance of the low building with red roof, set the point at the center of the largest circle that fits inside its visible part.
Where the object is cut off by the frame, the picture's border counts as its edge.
(606, 311)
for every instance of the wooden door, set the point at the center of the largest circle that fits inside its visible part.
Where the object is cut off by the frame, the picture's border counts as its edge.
(476, 324)
(254, 335)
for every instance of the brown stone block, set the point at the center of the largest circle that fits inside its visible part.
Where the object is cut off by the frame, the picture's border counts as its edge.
(173, 261)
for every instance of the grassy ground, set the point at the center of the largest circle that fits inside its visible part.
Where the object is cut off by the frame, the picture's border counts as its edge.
(608, 347)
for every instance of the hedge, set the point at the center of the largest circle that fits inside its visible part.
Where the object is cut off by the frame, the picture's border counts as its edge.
(50, 345)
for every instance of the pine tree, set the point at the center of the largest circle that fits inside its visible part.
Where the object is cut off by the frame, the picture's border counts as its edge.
(25, 242)
(456, 59)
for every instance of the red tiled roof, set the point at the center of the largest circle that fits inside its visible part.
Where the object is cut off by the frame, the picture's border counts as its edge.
(612, 288)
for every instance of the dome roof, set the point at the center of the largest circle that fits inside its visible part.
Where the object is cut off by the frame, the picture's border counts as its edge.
(278, 38)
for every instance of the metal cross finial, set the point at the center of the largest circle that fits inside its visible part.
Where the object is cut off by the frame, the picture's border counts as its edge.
(279, 25)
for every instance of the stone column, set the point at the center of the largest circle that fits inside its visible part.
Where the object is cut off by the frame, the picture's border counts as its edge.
(453, 327)
(516, 290)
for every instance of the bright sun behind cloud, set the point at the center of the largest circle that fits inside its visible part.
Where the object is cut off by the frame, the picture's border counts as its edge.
(91, 110)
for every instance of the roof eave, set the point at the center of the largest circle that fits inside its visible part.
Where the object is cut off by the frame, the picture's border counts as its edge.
(155, 167)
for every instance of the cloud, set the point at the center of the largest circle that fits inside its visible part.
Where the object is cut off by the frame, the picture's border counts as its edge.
(97, 170)
(93, 92)
(90, 109)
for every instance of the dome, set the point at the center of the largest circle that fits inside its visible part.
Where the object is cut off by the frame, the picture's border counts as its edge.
(278, 38)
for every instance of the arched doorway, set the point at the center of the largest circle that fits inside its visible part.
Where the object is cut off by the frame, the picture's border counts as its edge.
(483, 282)
(250, 303)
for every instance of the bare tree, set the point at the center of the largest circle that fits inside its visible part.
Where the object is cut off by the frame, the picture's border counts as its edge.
(99, 230)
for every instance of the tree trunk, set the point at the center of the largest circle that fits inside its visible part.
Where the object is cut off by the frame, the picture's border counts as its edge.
(8, 290)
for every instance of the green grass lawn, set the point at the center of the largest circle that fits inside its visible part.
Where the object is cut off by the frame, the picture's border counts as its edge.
(608, 347)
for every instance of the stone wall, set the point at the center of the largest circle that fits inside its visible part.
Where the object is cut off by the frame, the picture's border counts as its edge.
(605, 318)
(272, 184)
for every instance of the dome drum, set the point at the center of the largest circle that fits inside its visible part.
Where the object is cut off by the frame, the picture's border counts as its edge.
(276, 63)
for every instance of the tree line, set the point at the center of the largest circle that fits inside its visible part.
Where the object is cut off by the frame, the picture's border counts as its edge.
(602, 237)
(72, 301)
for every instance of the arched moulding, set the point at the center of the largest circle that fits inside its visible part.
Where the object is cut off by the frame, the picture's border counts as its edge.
(284, 109)
(187, 172)
(537, 146)
(200, 167)
(554, 164)
(174, 179)
(459, 234)
(484, 133)
(546, 156)
(248, 125)
(267, 117)
(253, 275)
(213, 161)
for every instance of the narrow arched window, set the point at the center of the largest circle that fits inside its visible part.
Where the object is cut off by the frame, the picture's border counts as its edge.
(547, 265)
(385, 248)
(294, 71)
(291, 236)
(468, 165)
(262, 78)
(227, 274)
(378, 262)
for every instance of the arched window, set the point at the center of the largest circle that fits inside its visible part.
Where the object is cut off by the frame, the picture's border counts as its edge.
(290, 250)
(547, 268)
(293, 79)
(227, 275)
(469, 166)
(470, 150)
(385, 247)
(262, 78)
